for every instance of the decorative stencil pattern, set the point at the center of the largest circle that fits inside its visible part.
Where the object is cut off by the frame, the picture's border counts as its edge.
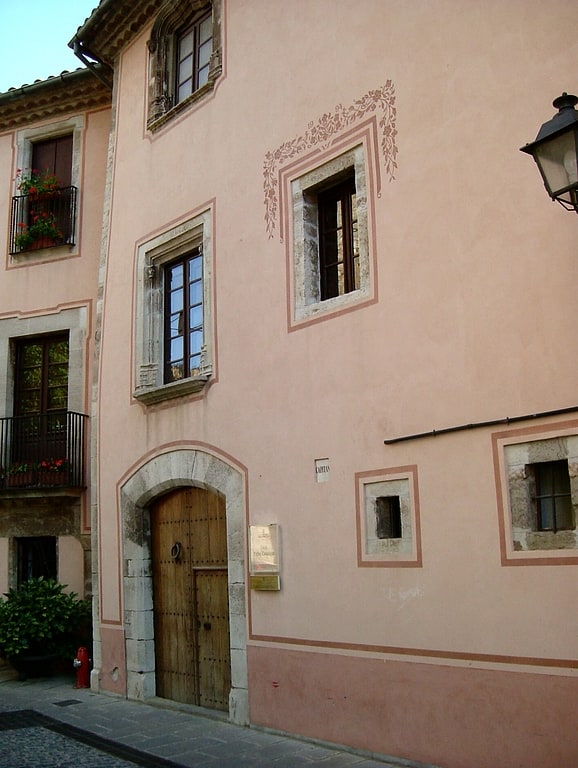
(323, 132)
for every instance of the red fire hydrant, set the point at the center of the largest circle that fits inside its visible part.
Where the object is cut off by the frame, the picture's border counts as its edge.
(82, 666)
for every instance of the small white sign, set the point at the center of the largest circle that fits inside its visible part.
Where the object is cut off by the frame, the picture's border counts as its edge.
(322, 470)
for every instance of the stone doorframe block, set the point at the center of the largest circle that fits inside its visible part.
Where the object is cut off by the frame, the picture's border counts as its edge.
(194, 466)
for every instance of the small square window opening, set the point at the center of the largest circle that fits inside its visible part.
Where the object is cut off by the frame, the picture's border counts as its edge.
(388, 517)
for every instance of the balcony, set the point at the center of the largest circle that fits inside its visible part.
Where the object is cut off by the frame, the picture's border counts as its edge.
(43, 451)
(43, 220)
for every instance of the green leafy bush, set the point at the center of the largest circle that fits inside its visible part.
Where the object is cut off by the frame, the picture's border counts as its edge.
(40, 618)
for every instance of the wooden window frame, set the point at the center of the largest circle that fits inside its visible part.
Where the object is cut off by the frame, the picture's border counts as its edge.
(337, 222)
(196, 69)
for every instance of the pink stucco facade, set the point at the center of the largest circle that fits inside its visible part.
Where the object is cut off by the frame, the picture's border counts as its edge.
(455, 643)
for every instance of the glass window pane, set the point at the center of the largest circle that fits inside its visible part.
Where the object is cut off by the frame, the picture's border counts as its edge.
(203, 77)
(185, 90)
(176, 371)
(196, 317)
(196, 293)
(546, 514)
(176, 301)
(176, 276)
(32, 354)
(58, 374)
(57, 398)
(564, 513)
(186, 44)
(204, 55)
(176, 325)
(195, 341)
(30, 402)
(31, 377)
(206, 29)
(58, 352)
(194, 364)
(186, 69)
(195, 268)
(177, 348)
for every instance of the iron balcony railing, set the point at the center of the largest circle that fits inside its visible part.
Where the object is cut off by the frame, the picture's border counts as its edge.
(43, 451)
(43, 220)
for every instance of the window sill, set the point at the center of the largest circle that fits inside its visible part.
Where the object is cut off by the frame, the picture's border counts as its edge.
(152, 395)
(545, 541)
(156, 123)
(40, 255)
(328, 307)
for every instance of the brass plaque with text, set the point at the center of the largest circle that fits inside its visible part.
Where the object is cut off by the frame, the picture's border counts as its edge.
(270, 582)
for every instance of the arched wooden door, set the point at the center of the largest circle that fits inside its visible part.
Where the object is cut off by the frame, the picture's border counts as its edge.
(190, 594)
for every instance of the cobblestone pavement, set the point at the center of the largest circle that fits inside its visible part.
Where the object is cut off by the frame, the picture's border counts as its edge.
(49, 724)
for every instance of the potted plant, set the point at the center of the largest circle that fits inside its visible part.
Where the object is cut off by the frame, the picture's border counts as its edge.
(20, 473)
(42, 232)
(40, 623)
(53, 471)
(36, 184)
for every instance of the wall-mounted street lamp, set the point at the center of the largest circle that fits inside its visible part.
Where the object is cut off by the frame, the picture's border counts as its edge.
(555, 151)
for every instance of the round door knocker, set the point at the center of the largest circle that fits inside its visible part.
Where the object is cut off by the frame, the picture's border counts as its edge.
(176, 551)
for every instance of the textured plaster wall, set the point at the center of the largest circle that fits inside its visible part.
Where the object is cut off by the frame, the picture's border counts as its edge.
(476, 277)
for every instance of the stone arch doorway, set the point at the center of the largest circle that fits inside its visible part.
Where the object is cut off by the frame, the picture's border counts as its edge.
(186, 467)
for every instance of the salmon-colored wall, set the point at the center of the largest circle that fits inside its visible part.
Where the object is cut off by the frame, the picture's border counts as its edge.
(454, 717)
(39, 286)
(476, 275)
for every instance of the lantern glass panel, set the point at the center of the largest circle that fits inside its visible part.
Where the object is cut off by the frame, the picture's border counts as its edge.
(558, 162)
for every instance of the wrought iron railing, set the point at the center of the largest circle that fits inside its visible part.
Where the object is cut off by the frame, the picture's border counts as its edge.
(43, 451)
(43, 220)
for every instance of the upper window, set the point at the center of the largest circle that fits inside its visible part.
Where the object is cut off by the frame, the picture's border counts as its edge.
(44, 208)
(174, 334)
(332, 267)
(194, 48)
(185, 57)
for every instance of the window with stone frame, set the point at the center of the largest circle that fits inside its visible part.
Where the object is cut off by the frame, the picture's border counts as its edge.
(174, 331)
(388, 518)
(185, 57)
(332, 267)
(543, 493)
(43, 219)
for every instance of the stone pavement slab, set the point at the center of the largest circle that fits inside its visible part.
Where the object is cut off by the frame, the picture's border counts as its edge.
(84, 729)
